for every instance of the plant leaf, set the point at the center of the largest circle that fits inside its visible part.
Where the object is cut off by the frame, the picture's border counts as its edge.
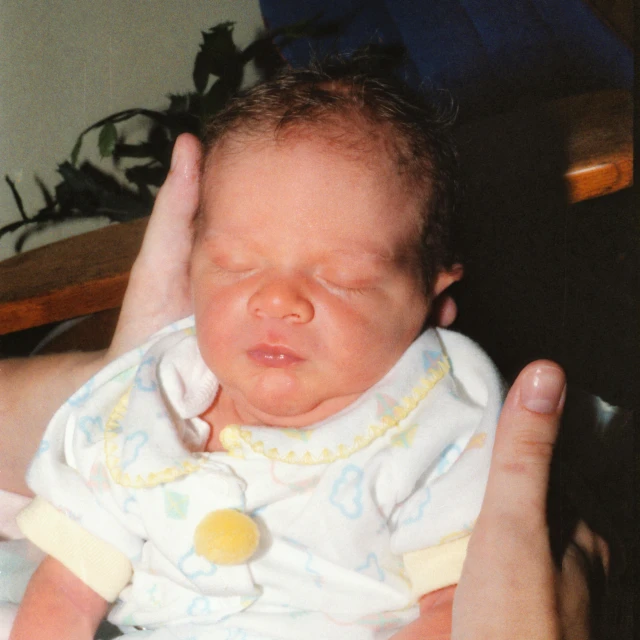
(178, 102)
(87, 191)
(75, 152)
(16, 197)
(49, 200)
(217, 55)
(107, 139)
(201, 72)
(146, 175)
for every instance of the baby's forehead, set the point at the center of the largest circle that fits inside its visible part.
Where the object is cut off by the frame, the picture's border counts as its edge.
(365, 151)
(359, 153)
(353, 138)
(232, 201)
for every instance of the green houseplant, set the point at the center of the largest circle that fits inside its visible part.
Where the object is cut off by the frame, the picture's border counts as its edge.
(87, 191)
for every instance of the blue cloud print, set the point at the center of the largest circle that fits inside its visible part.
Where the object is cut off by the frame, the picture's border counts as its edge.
(417, 510)
(199, 606)
(194, 566)
(128, 506)
(145, 376)
(318, 580)
(91, 427)
(448, 456)
(347, 492)
(371, 568)
(81, 395)
(133, 443)
(45, 445)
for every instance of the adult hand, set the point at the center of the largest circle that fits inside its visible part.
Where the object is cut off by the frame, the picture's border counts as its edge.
(508, 583)
(510, 587)
(158, 292)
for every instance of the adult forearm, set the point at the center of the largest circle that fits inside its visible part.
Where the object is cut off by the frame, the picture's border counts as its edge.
(31, 390)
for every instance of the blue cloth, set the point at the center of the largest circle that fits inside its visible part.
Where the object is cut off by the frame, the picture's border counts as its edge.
(492, 55)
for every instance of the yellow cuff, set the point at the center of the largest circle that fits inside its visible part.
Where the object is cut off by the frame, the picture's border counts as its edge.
(436, 567)
(98, 564)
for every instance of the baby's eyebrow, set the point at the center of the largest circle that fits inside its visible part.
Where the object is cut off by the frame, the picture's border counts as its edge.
(226, 239)
(377, 256)
(365, 255)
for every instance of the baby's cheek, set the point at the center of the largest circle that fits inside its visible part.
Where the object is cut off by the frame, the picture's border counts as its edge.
(211, 336)
(216, 311)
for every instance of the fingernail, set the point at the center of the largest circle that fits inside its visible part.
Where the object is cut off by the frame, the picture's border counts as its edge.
(542, 389)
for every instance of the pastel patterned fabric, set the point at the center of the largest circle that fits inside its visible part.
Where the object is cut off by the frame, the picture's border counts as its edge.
(340, 505)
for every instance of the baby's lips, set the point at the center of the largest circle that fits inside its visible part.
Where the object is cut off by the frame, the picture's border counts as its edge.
(274, 355)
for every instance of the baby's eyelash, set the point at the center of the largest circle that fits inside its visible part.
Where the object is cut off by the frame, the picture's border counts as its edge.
(355, 290)
(346, 289)
(216, 268)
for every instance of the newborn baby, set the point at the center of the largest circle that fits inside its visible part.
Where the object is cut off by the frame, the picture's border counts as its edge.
(302, 458)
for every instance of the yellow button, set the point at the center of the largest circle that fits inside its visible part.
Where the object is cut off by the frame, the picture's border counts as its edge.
(226, 536)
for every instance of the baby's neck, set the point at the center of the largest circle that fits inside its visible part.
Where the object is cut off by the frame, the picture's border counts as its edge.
(223, 412)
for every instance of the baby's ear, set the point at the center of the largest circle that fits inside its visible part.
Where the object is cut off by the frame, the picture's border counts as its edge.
(446, 278)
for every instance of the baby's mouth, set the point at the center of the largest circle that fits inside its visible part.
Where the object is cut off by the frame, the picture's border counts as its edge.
(273, 356)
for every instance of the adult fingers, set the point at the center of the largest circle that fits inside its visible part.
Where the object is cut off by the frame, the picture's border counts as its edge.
(169, 227)
(526, 433)
(507, 587)
(586, 549)
(159, 292)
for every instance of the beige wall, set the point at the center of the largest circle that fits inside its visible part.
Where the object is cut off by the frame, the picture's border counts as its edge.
(67, 63)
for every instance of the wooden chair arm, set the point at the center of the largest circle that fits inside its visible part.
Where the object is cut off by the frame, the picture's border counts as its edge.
(599, 142)
(69, 278)
(89, 273)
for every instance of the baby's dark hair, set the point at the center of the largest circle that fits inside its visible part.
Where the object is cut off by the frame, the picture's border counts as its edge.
(361, 100)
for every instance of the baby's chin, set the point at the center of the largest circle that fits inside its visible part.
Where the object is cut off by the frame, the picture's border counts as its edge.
(293, 411)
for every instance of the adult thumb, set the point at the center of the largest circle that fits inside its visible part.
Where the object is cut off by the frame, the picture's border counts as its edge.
(507, 586)
(525, 437)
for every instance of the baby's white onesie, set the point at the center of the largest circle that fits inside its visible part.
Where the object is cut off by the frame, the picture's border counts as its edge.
(358, 515)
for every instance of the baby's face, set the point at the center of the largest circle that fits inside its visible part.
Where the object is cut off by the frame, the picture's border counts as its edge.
(305, 290)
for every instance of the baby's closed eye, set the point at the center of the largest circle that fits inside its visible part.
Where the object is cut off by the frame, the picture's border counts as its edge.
(233, 263)
(352, 277)
(347, 283)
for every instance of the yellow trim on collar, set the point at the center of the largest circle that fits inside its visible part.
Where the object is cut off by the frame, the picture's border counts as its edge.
(112, 457)
(234, 436)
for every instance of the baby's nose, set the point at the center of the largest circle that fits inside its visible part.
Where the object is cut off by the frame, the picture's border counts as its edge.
(282, 298)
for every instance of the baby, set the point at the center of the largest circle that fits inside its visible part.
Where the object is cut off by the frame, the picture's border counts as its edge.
(302, 459)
